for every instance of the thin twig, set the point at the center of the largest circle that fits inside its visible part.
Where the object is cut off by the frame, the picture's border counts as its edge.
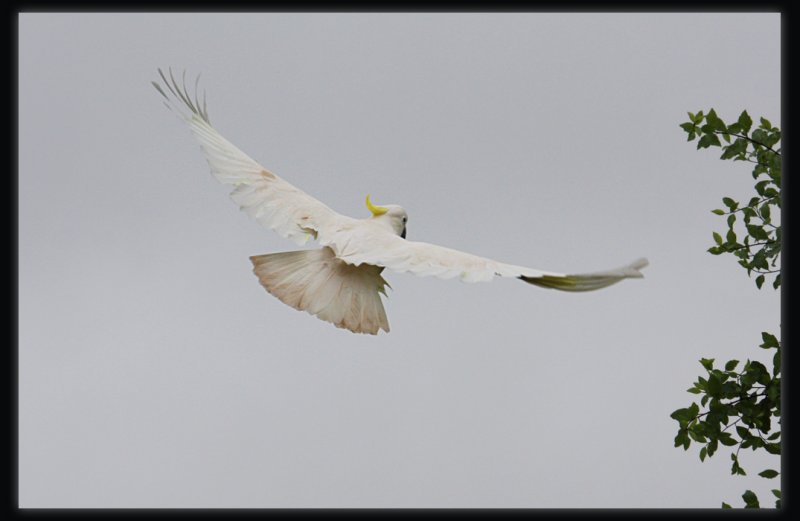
(750, 140)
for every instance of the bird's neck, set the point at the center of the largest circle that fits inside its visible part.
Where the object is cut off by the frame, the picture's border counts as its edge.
(387, 223)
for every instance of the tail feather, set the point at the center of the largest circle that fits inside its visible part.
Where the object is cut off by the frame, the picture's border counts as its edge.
(589, 281)
(317, 282)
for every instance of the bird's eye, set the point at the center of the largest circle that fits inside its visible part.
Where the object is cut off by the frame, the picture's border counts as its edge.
(405, 219)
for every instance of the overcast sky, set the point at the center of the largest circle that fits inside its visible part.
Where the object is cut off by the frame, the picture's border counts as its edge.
(156, 372)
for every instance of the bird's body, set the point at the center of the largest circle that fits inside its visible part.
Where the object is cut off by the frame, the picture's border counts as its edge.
(342, 282)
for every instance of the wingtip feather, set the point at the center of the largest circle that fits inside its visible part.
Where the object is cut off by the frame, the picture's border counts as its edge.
(632, 269)
(180, 92)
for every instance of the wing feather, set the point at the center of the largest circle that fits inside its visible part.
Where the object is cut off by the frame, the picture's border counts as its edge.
(424, 259)
(273, 202)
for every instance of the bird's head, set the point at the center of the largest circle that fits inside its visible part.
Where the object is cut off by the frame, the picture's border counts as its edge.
(395, 216)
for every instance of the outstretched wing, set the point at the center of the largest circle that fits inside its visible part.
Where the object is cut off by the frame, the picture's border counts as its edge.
(269, 199)
(366, 246)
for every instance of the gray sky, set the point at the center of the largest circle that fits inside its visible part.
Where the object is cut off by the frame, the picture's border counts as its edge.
(156, 372)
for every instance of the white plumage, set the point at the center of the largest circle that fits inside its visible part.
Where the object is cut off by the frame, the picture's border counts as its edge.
(341, 283)
(316, 281)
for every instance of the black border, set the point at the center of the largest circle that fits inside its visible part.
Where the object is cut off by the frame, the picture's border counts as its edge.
(12, 509)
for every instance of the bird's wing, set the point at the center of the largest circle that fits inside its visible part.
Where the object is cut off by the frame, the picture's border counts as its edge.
(367, 246)
(269, 199)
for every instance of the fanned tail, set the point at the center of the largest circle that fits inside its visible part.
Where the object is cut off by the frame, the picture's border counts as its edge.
(317, 282)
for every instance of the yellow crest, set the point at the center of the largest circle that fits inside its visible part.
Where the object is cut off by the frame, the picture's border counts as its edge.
(376, 210)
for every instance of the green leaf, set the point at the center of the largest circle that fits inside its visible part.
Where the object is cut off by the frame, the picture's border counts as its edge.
(729, 151)
(682, 439)
(699, 438)
(708, 363)
(703, 454)
(765, 123)
(688, 127)
(725, 505)
(757, 232)
(774, 137)
(769, 340)
(714, 386)
(774, 390)
(750, 499)
(776, 493)
(715, 121)
(717, 237)
(760, 281)
(708, 140)
(731, 390)
(769, 473)
(730, 203)
(683, 415)
(765, 212)
(760, 137)
(761, 186)
(740, 145)
(743, 432)
(775, 165)
(712, 447)
(760, 371)
(731, 365)
(745, 122)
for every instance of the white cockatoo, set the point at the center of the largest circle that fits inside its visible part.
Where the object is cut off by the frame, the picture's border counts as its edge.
(341, 282)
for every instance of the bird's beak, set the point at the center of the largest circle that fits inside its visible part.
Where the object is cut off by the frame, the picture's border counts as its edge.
(403, 235)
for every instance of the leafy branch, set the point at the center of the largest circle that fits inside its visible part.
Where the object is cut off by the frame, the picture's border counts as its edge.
(742, 409)
(756, 239)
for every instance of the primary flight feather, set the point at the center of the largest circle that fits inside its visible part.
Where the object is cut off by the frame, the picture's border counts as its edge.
(341, 282)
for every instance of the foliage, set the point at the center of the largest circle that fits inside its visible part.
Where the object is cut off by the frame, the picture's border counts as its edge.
(757, 239)
(741, 407)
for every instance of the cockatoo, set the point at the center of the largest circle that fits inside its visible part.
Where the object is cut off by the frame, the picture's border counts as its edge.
(341, 282)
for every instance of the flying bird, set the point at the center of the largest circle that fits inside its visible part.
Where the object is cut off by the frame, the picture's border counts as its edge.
(341, 282)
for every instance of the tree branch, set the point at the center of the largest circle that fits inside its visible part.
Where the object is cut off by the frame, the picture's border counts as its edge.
(755, 395)
(747, 138)
(748, 246)
(757, 203)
